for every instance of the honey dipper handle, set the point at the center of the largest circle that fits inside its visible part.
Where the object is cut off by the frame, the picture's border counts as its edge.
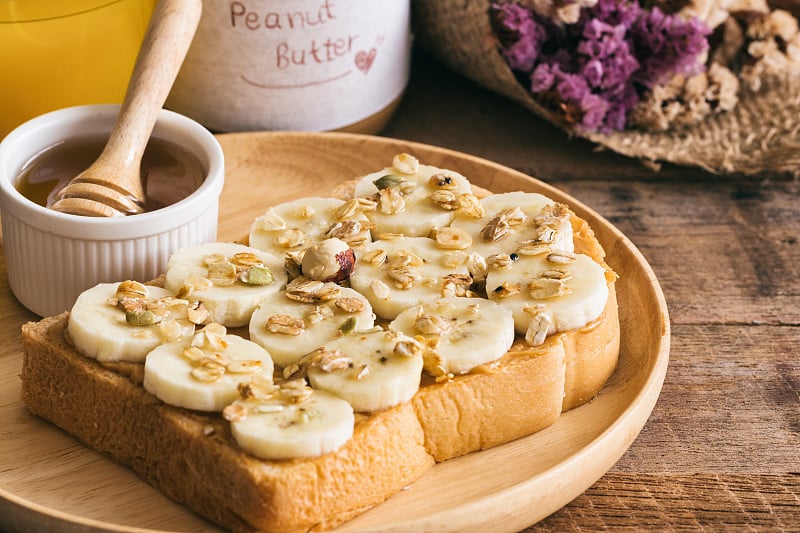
(172, 27)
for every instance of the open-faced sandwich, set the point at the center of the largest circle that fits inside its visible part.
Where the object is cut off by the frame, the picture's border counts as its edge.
(293, 381)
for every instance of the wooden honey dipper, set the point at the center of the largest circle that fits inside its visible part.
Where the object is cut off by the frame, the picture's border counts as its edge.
(112, 185)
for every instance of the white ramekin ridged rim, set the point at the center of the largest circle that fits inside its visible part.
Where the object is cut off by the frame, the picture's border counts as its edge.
(52, 257)
(41, 132)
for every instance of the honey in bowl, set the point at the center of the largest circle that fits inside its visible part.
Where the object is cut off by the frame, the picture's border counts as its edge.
(169, 172)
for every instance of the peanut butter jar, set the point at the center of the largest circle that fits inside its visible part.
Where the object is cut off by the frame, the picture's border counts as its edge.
(311, 65)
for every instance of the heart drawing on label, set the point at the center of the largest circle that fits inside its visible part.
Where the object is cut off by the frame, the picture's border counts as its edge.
(364, 59)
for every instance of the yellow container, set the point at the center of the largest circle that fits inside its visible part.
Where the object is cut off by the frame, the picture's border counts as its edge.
(56, 53)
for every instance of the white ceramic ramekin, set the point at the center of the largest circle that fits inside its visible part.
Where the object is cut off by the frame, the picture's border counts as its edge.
(51, 257)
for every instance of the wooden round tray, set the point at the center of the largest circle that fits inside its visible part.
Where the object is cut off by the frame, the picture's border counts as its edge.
(49, 481)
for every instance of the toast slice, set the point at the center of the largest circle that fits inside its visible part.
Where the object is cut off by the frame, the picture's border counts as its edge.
(193, 458)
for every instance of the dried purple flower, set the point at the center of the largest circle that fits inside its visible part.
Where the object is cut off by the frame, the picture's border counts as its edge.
(596, 70)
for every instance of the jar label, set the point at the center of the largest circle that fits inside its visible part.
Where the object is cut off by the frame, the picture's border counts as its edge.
(294, 64)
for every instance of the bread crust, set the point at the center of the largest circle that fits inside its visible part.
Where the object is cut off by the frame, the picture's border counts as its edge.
(113, 414)
(106, 407)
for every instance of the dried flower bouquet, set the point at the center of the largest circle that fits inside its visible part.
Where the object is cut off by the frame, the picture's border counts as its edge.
(660, 80)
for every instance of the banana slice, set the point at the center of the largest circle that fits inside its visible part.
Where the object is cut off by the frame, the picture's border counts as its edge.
(296, 225)
(412, 199)
(290, 421)
(550, 292)
(372, 370)
(114, 322)
(400, 273)
(292, 323)
(518, 219)
(204, 373)
(230, 279)
(460, 333)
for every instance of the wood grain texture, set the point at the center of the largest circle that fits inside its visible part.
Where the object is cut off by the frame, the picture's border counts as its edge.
(721, 450)
(500, 489)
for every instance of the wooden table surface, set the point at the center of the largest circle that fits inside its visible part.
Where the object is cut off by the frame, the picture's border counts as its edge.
(721, 450)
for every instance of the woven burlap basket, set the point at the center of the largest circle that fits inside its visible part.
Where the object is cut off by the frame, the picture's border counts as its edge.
(761, 135)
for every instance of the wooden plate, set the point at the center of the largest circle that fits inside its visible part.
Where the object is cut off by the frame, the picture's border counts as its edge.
(48, 480)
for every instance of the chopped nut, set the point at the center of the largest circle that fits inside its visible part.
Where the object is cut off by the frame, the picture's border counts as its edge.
(234, 412)
(367, 204)
(544, 235)
(407, 187)
(404, 277)
(244, 260)
(500, 261)
(318, 314)
(456, 285)
(391, 201)
(248, 366)
(380, 290)
(388, 236)
(208, 372)
(552, 215)
(170, 330)
(211, 337)
(194, 354)
(403, 258)
(454, 259)
(197, 313)
(296, 391)
(222, 274)
(470, 206)
(506, 290)
(285, 325)
(291, 238)
(195, 282)
(405, 163)
(330, 360)
(560, 257)
(305, 211)
(495, 229)
(349, 305)
(408, 348)
(545, 288)
(270, 221)
(343, 229)
(477, 266)
(291, 263)
(347, 209)
(304, 290)
(532, 248)
(555, 273)
(293, 371)
(375, 256)
(514, 216)
(453, 239)
(210, 259)
(363, 371)
(330, 260)
(537, 329)
(131, 289)
(445, 199)
(432, 325)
